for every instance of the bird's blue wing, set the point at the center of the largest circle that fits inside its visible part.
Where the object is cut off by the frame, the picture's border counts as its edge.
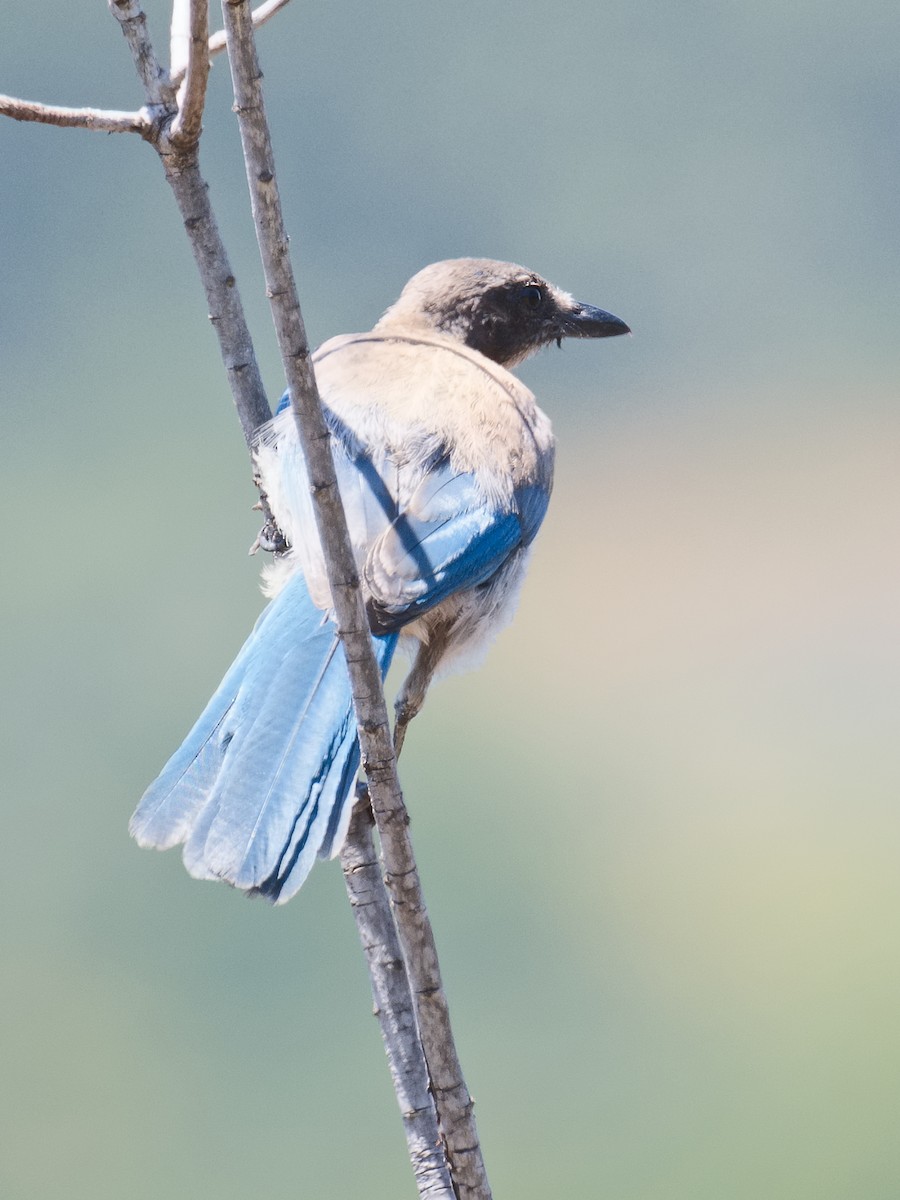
(450, 536)
(430, 529)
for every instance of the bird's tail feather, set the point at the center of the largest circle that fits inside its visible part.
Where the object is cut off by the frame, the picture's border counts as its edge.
(263, 783)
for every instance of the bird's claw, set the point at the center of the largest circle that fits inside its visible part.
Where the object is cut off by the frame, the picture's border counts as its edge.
(271, 539)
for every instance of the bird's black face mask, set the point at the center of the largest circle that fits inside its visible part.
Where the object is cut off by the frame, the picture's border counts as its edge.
(508, 322)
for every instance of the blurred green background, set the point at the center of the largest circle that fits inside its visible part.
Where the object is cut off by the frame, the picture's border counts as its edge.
(659, 831)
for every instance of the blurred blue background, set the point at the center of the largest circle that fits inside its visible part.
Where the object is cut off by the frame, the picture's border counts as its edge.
(659, 831)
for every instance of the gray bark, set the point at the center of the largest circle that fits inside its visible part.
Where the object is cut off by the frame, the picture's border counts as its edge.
(192, 93)
(104, 120)
(394, 1005)
(181, 164)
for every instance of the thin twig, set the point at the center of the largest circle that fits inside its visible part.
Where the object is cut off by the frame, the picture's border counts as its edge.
(394, 1004)
(103, 119)
(451, 1095)
(217, 42)
(192, 93)
(179, 40)
(157, 85)
(182, 168)
(222, 296)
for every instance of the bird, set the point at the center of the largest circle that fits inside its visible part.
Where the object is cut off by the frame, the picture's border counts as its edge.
(444, 463)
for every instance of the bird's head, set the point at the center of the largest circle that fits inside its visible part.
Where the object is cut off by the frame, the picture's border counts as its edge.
(497, 308)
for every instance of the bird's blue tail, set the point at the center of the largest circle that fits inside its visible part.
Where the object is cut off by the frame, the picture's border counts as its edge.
(263, 783)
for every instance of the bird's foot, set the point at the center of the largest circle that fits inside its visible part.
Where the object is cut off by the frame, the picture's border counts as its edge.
(270, 538)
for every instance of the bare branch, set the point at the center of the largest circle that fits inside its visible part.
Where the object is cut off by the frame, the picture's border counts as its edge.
(394, 1004)
(182, 169)
(225, 309)
(453, 1101)
(191, 194)
(102, 119)
(179, 40)
(157, 85)
(217, 42)
(192, 93)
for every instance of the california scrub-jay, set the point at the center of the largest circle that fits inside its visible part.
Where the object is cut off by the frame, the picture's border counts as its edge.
(445, 465)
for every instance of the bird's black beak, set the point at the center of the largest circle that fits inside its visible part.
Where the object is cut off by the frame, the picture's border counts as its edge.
(585, 321)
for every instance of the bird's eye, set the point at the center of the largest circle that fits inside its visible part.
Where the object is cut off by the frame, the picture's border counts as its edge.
(532, 296)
